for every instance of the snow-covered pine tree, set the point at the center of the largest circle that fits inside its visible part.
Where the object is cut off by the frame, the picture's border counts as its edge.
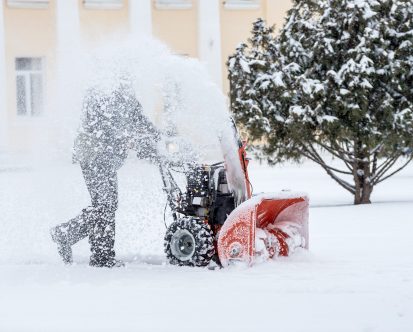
(338, 79)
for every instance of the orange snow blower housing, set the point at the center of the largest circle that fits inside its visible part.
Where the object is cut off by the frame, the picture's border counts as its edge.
(215, 222)
(264, 226)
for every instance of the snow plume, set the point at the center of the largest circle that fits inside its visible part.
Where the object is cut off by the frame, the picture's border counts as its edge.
(176, 92)
(177, 95)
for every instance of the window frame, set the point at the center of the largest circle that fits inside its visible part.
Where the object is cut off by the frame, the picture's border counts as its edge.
(242, 4)
(173, 4)
(103, 4)
(28, 82)
(33, 4)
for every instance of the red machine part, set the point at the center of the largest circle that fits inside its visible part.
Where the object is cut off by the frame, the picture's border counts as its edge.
(242, 154)
(281, 221)
(267, 225)
(280, 247)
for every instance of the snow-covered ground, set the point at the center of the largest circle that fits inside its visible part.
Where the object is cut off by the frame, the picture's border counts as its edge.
(357, 275)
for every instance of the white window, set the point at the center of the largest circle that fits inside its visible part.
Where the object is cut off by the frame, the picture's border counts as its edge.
(242, 4)
(28, 3)
(173, 4)
(29, 86)
(103, 4)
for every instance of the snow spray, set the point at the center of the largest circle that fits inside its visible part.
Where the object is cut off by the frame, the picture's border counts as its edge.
(175, 92)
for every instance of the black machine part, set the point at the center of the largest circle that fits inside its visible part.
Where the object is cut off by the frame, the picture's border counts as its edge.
(206, 203)
(207, 194)
(189, 242)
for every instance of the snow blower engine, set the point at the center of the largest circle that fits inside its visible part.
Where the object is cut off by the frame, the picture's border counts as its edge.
(214, 222)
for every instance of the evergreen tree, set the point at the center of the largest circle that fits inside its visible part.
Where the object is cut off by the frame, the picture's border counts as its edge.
(337, 80)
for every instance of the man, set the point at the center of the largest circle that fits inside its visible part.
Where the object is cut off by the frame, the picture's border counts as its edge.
(112, 123)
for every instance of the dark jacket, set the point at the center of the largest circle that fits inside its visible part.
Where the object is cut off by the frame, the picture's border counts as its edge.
(112, 124)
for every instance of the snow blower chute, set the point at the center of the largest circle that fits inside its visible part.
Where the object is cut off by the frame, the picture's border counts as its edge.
(217, 218)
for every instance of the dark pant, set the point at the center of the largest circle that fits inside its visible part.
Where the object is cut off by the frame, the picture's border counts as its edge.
(98, 220)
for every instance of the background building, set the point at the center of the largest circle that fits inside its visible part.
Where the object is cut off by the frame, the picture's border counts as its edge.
(32, 31)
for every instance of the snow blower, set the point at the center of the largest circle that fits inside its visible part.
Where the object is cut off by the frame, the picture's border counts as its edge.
(213, 221)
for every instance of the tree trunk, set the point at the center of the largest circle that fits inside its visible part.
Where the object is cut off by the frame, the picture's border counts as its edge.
(362, 195)
(363, 186)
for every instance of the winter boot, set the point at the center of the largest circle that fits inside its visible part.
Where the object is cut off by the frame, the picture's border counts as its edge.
(63, 247)
(112, 262)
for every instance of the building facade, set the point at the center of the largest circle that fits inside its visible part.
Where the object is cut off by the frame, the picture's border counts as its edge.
(32, 31)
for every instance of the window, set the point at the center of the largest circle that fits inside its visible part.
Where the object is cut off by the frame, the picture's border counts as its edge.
(103, 4)
(242, 4)
(173, 4)
(28, 3)
(29, 86)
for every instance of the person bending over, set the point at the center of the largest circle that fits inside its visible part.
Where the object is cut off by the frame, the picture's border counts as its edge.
(112, 124)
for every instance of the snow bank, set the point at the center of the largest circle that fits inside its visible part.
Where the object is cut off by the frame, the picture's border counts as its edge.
(357, 275)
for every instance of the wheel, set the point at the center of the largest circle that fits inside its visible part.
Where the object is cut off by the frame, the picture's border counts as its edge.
(189, 242)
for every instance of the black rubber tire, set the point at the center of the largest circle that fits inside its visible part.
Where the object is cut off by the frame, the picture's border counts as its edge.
(204, 242)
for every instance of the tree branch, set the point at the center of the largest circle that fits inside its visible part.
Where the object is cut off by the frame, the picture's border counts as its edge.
(339, 153)
(375, 150)
(396, 171)
(322, 163)
(346, 162)
(374, 169)
(313, 155)
(325, 164)
(383, 168)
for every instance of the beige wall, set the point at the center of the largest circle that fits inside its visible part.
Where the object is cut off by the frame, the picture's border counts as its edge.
(276, 11)
(28, 33)
(236, 26)
(32, 33)
(178, 28)
(98, 24)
